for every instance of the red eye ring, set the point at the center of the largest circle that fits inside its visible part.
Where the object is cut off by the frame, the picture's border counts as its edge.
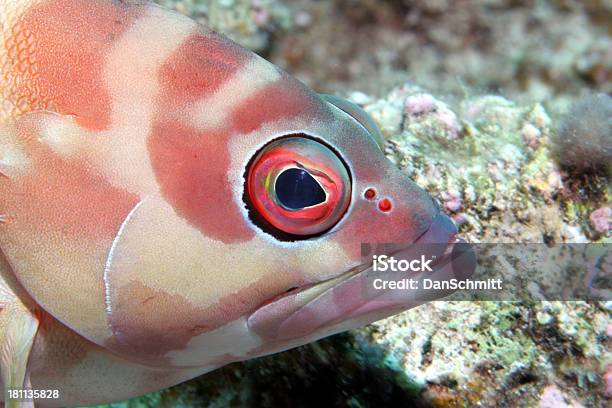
(299, 186)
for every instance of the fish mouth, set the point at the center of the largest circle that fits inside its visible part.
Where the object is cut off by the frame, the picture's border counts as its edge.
(353, 295)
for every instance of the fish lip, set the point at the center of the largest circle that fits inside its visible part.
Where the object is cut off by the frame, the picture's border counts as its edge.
(269, 321)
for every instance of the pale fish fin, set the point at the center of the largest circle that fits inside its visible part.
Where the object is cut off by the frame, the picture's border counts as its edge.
(18, 327)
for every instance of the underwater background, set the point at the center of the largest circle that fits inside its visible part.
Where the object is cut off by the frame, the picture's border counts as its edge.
(501, 109)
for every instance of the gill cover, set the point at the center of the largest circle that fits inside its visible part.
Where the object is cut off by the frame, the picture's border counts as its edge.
(359, 114)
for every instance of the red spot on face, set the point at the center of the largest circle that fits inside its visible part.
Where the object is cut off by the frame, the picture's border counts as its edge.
(407, 211)
(369, 194)
(199, 67)
(385, 205)
(71, 39)
(191, 168)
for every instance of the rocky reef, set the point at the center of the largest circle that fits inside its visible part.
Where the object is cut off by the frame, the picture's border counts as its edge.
(528, 50)
(251, 23)
(430, 74)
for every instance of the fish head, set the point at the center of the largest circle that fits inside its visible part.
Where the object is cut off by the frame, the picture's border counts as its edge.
(364, 202)
(259, 240)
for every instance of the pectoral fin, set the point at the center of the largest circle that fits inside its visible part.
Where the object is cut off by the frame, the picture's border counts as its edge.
(18, 328)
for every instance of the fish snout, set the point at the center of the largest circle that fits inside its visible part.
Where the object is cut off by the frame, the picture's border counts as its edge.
(365, 294)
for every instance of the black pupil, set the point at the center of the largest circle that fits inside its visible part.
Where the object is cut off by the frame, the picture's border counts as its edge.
(297, 189)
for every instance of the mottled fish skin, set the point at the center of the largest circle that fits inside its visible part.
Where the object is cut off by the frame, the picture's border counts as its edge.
(125, 134)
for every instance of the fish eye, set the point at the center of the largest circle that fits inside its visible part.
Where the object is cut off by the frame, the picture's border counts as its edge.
(298, 186)
(297, 189)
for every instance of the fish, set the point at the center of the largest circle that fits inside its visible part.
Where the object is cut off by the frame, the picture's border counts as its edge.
(171, 202)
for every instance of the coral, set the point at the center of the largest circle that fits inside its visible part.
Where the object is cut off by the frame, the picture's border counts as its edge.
(251, 23)
(484, 165)
(583, 141)
(601, 219)
(552, 397)
(523, 48)
(608, 381)
(423, 110)
(527, 49)
(452, 348)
